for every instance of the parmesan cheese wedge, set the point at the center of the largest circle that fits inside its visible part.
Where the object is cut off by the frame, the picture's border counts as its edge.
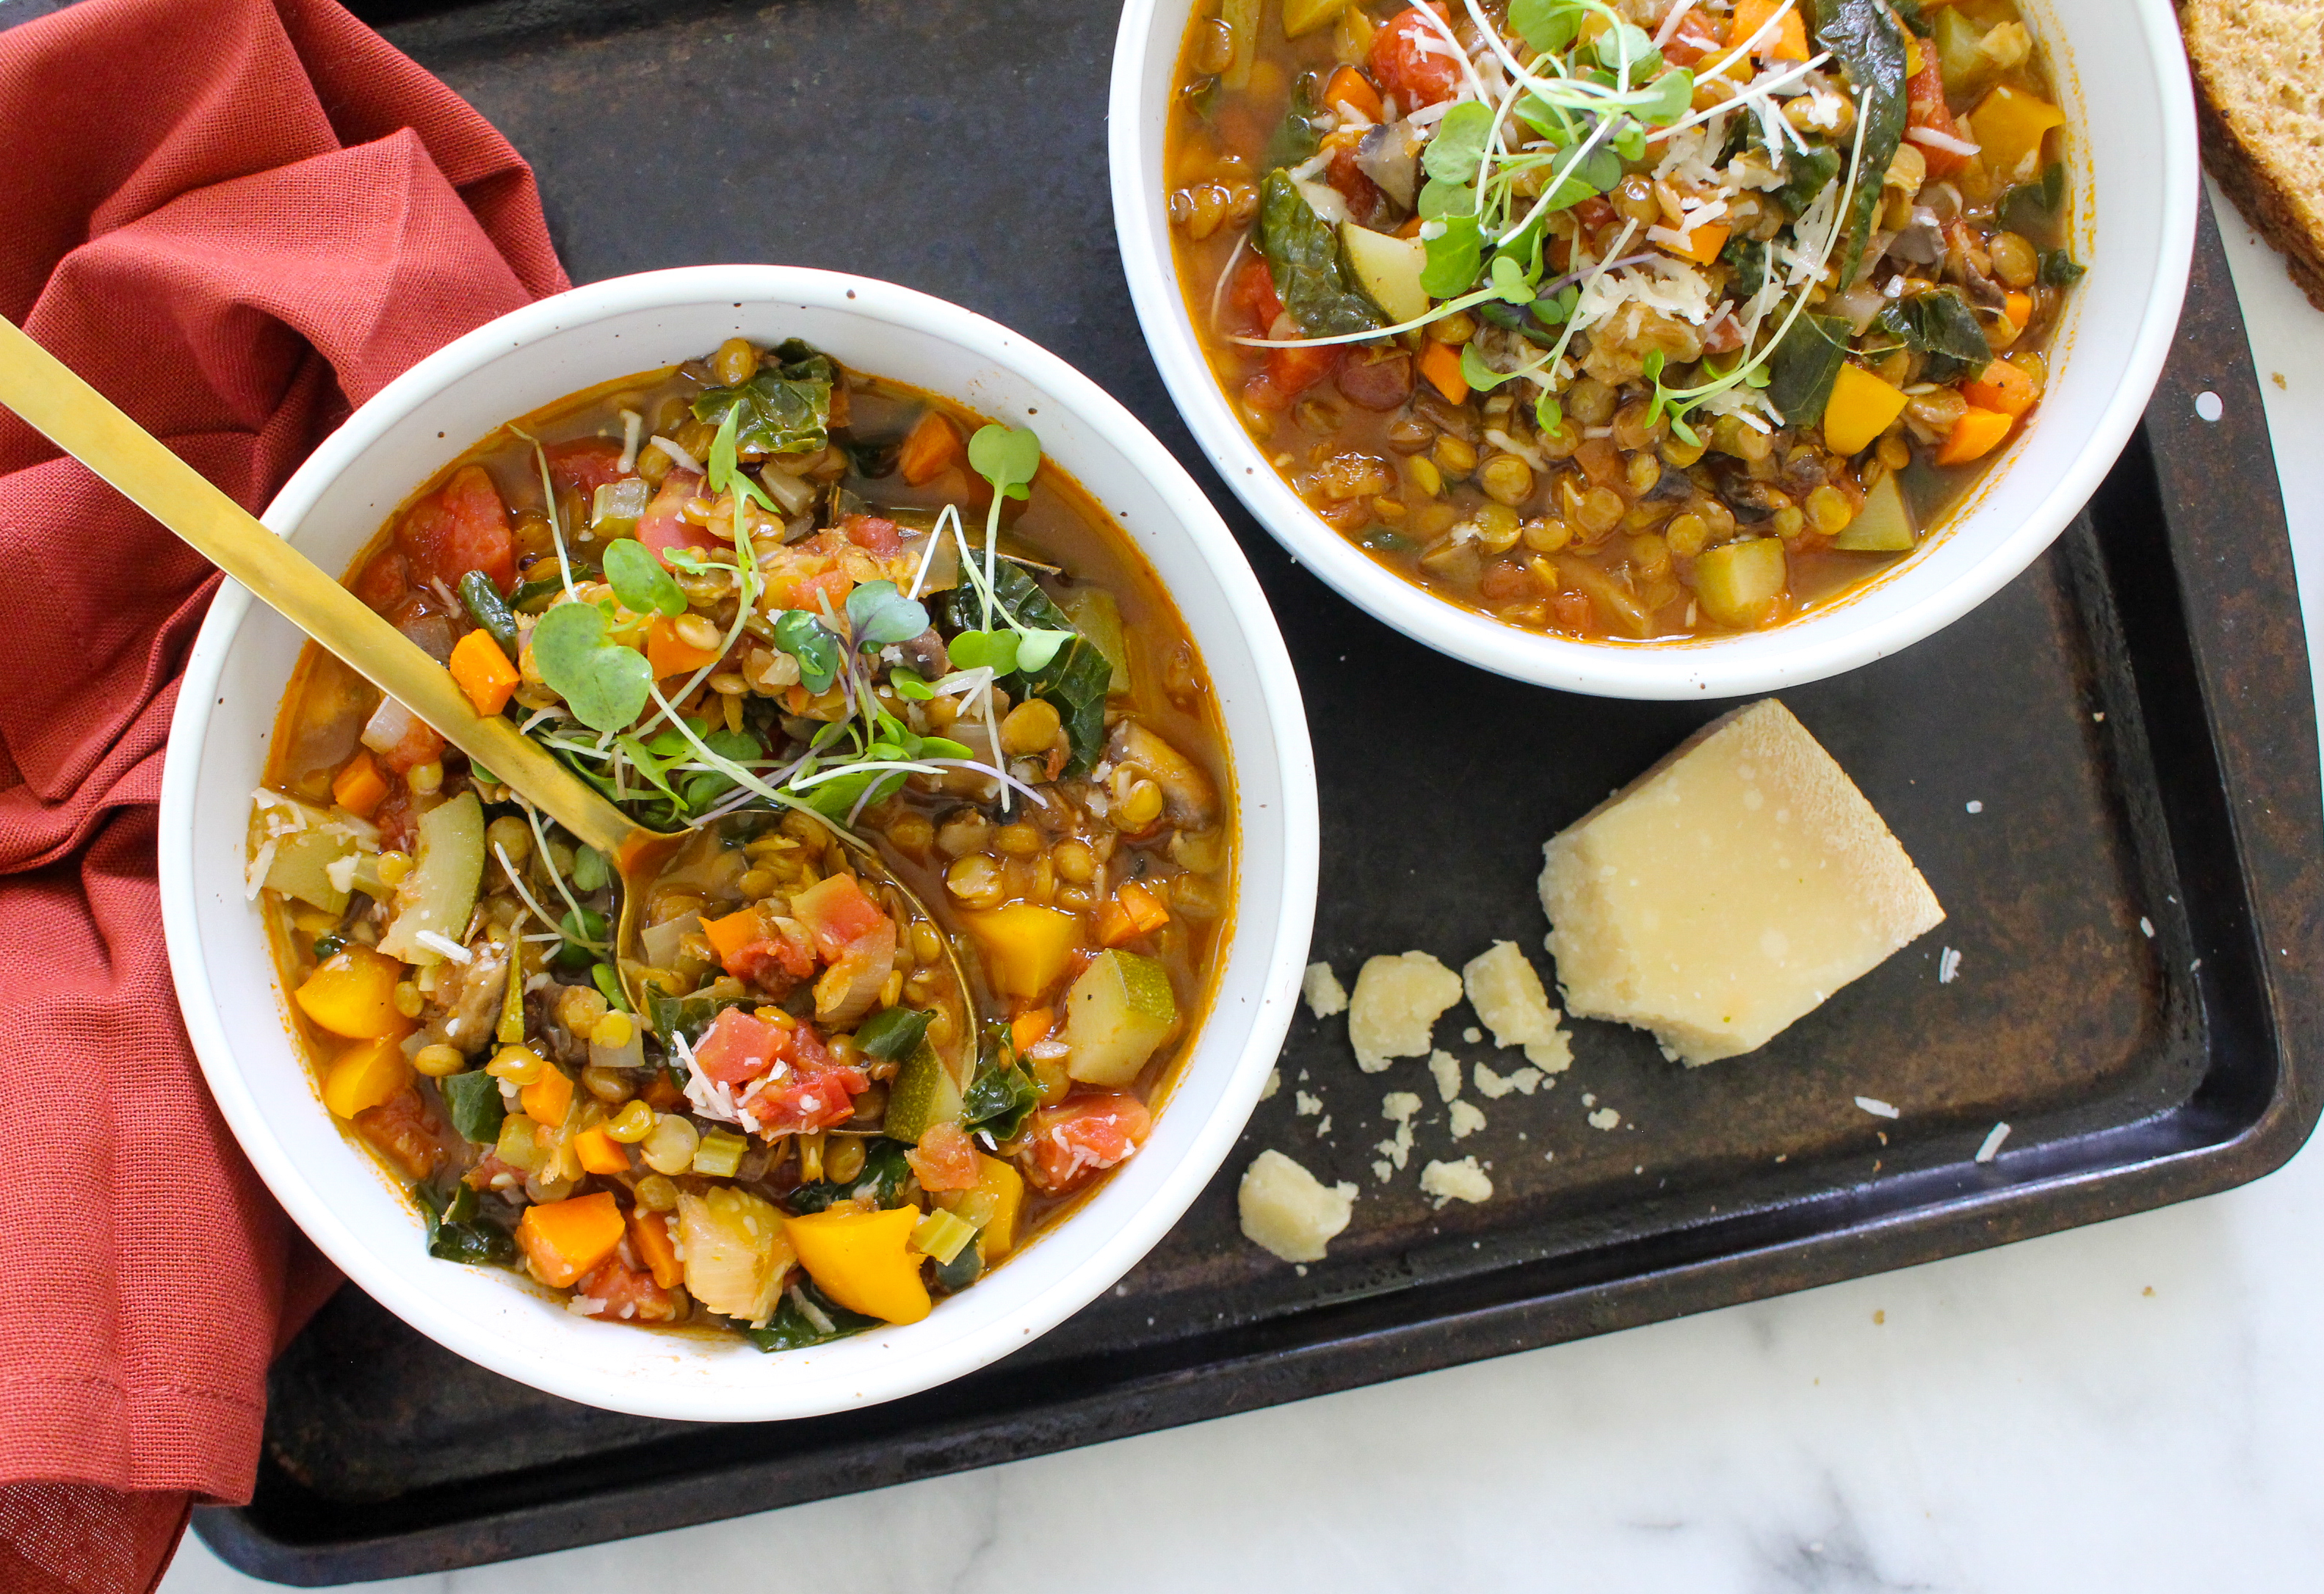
(1729, 890)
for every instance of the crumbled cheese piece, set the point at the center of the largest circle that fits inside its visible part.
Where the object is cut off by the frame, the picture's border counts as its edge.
(1992, 1139)
(1948, 966)
(1398, 1107)
(1446, 1070)
(1397, 1004)
(1324, 1127)
(1325, 993)
(1382, 1171)
(1729, 890)
(1494, 1086)
(1508, 995)
(1605, 1117)
(1304, 1105)
(1274, 1083)
(1288, 1211)
(1467, 1118)
(1878, 1108)
(1456, 1181)
(1472, 1034)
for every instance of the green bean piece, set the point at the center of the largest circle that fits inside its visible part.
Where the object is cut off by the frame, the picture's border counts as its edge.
(485, 607)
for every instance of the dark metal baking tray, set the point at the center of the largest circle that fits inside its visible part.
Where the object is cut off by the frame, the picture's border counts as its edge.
(2133, 716)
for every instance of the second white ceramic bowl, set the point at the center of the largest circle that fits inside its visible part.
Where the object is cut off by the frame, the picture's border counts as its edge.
(225, 978)
(2122, 78)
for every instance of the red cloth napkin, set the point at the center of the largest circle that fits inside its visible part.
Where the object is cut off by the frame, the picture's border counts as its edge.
(235, 218)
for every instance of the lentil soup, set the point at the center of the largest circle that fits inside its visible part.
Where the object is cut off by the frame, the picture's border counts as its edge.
(1648, 319)
(771, 600)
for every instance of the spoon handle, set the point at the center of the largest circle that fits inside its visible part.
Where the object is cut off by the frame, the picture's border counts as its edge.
(84, 424)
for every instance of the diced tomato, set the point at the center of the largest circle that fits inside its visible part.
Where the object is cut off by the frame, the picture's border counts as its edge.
(740, 1047)
(585, 464)
(1253, 293)
(813, 1093)
(1084, 1136)
(1505, 581)
(385, 581)
(399, 827)
(403, 1128)
(872, 533)
(945, 1159)
(415, 742)
(1366, 204)
(660, 529)
(1418, 74)
(629, 1294)
(487, 1173)
(839, 915)
(1290, 373)
(463, 526)
(1924, 100)
(775, 963)
(1573, 613)
(1692, 42)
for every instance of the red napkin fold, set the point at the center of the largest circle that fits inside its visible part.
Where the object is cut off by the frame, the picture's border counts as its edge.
(235, 218)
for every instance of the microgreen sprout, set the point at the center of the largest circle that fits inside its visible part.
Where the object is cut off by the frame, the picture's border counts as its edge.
(548, 497)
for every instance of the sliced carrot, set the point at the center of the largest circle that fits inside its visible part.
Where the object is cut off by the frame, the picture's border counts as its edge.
(930, 449)
(359, 787)
(649, 1238)
(564, 1240)
(730, 934)
(547, 1099)
(1113, 926)
(1144, 908)
(1977, 433)
(2003, 388)
(1440, 363)
(1028, 1027)
(484, 672)
(2019, 309)
(1789, 42)
(1705, 242)
(670, 654)
(1352, 89)
(599, 1152)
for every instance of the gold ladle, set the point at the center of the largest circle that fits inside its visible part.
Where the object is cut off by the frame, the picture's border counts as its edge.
(83, 422)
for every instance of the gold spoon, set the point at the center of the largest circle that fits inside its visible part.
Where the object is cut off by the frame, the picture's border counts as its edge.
(83, 422)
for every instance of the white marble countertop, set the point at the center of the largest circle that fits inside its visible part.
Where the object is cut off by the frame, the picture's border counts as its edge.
(2132, 1406)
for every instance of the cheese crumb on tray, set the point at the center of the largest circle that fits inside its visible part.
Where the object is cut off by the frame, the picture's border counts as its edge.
(1508, 995)
(1395, 1006)
(1325, 993)
(1289, 1211)
(1729, 890)
(1456, 1181)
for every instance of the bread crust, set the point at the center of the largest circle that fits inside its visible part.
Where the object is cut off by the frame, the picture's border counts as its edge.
(2258, 68)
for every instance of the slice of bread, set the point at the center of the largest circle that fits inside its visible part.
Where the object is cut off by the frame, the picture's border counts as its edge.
(2259, 81)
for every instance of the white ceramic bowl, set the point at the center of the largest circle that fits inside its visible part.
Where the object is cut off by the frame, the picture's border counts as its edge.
(2122, 75)
(234, 1008)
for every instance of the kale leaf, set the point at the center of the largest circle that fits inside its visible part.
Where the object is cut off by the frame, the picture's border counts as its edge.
(1296, 141)
(1864, 37)
(1074, 681)
(473, 1101)
(1003, 1095)
(1747, 258)
(785, 408)
(791, 1329)
(1803, 367)
(1941, 326)
(457, 1229)
(881, 1180)
(1303, 255)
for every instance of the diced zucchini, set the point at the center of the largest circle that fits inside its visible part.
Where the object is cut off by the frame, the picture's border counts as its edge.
(1241, 18)
(1389, 270)
(618, 507)
(1883, 525)
(1738, 583)
(923, 1096)
(1304, 16)
(1098, 617)
(1116, 1014)
(737, 1251)
(311, 849)
(440, 892)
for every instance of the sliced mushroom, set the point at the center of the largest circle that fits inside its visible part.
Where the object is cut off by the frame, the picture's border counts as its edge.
(1389, 154)
(467, 996)
(1192, 801)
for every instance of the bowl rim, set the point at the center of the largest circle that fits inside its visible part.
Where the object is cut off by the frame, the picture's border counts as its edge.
(1671, 669)
(1279, 958)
